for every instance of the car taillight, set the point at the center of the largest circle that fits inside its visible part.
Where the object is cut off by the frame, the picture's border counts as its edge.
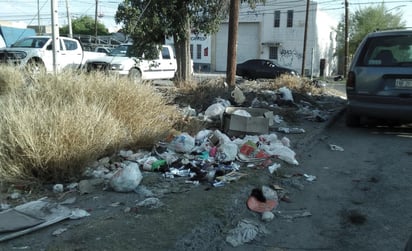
(351, 80)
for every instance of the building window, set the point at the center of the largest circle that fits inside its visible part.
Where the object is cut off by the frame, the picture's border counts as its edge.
(199, 51)
(277, 19)
(273, 52)
(289, 22)
(191, 51)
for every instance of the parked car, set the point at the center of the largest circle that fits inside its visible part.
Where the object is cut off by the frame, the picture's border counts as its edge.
(262, 68)
(379, 81)
(121, 63)
(35, 54)
(103, 49)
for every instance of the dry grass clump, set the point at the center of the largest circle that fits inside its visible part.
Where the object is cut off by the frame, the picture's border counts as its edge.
(200, 96)
(50, 130)
(295, 84)
(10, 78)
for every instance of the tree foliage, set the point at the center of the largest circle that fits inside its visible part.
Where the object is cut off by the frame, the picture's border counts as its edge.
(148, 22)
(364, 21)
(85, 25)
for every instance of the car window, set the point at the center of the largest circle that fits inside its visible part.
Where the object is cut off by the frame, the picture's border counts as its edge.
(387, 51)
(70, 45)
(50, 46)
(165, 53)
(120, 50)
(28, 43)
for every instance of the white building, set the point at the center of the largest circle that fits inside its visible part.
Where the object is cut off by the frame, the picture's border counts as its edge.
(275, 31)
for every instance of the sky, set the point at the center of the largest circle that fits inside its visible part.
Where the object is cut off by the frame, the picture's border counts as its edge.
(336, 9)
(25, 11)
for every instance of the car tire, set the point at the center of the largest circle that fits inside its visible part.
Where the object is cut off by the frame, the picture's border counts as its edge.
(352, 120)
(35, 67)
(249, 77)
(135, 75)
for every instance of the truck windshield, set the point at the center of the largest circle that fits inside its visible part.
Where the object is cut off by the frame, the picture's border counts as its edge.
(120, 51)
(30, 42)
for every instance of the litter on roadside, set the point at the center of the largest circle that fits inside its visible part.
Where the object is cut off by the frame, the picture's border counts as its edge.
(310, 177)
(262, 200)
(292, 214)
(34, 215)
(294, 130)
(245, 231)
(336, 148)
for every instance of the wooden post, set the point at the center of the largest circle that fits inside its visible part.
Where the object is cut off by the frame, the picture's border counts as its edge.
(232, 42)
(305, 38)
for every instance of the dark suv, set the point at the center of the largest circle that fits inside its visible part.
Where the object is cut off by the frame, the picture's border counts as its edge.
(379, 81)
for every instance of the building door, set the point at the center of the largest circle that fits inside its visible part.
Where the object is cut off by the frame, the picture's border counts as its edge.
(248, 44)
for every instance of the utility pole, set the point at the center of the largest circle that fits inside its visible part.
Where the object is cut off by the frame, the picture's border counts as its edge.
(232, 42)
(305, 37)
(55, 35)
(95, 21)
(346, 59)
(38, 17)
(69, 20)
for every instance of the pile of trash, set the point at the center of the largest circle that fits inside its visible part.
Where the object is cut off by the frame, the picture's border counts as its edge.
(208, 157)
(214, 157)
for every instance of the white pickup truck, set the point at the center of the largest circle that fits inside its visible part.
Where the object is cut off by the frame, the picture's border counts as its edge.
(119, 62)
(36, 54)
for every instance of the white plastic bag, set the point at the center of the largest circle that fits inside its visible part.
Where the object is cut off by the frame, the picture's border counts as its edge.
(284, 153)
(202, 135)
(215, 111)
(223, 138)
(126, 179)
(242, 113)
(183, 143)
(286, 93)
(227, 152)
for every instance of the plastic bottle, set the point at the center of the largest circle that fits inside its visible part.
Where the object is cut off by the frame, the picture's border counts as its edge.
(159, 165)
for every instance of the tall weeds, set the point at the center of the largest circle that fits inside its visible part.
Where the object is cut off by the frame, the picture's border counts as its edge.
(52, 128)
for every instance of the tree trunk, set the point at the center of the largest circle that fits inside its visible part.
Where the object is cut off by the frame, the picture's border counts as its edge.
(184, 62)
(232, 42)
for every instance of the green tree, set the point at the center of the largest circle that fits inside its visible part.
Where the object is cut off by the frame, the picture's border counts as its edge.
(364, 21)
(85, 25)
(148, 22)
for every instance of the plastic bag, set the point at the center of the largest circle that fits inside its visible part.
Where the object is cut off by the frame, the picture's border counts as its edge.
(284, 153)
(286, 93)
(227, 152)
(223, 138)
(215, 111)
(183, 143)
(242, 113)
(126, 179)
(202, 136)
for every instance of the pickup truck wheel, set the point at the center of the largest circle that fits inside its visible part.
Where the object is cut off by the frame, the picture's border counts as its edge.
(135, 75)
(35, 67)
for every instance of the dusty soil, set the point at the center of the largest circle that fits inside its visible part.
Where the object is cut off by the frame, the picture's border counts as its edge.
(186, 216)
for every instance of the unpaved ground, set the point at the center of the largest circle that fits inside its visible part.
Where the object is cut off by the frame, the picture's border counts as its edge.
(190, 217)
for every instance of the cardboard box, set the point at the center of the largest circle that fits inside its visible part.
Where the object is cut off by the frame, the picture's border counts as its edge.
(236, 125)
